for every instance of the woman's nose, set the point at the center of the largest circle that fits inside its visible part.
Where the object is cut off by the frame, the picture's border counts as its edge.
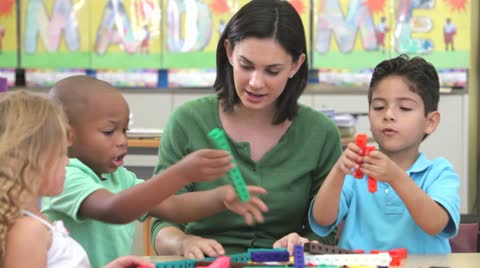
(257, 80)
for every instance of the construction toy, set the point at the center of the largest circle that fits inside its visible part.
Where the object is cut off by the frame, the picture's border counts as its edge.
(219, 139)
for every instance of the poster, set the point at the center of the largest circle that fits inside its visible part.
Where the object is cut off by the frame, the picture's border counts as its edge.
(303, 8)
(191, 30)
(359, 34)
(125, 34)
(54, 34)
(8, 34)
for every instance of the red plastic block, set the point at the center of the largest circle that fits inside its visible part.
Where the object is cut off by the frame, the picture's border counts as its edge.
(372, 183)
(360, 141)
(402, 252)
(220, 262)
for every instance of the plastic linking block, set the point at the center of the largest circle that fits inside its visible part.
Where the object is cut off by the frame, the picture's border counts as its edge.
(360, 141)
(217, 136)
(396, 254)
(381, 259)
(240, 257)
(200, 264)
(298, 256)
(266, 256)
(176, 264)
(318, 248)
(372, 183)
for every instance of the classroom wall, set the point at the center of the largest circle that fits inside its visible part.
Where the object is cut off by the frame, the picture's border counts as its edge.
(474, 130)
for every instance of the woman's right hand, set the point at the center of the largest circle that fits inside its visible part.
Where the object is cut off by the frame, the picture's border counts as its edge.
(196, 247)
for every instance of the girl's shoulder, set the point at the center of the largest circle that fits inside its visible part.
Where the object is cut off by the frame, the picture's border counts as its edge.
(25, 228)
(27, 237)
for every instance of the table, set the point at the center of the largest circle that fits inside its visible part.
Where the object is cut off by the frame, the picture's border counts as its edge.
(454, 260)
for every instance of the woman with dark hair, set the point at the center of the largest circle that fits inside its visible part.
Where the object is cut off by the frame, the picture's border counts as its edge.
(278, 144)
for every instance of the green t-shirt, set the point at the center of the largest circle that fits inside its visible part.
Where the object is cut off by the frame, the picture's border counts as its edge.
(102, 241)
(292, 172)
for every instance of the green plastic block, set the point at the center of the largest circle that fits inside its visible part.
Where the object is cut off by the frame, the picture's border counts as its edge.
(266, 249)
(176, 264)
(240, 257)
(217, 136)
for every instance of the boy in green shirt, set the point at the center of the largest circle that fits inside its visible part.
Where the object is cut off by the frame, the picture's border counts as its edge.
(101, 198)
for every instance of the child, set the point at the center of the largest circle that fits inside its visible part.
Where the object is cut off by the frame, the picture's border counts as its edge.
(33, 156)
(101, 198)
(416, 205)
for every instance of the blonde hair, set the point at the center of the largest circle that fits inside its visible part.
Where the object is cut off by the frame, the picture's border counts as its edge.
(32, 133)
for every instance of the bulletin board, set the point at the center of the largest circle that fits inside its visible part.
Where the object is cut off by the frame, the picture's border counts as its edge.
(359, 34)
(303, 9)
(125, 34)
(191, 30)
(8, 34)
(54, 34)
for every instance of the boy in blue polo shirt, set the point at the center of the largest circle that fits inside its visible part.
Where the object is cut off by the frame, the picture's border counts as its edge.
(416, 205)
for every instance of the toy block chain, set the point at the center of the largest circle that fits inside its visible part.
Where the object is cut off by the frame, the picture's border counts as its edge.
(298, 256)
(360, 141)
(217, 136)
(372, 183)
(376, 260)
(317, 248)
(175, 264)
(266, 256)
(203, 263)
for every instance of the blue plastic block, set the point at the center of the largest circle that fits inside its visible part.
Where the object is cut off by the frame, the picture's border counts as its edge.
(266, 256)
(299, 257)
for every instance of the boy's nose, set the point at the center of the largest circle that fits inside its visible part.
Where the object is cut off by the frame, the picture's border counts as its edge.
(389, 114)
(122, 140)
(257, 80)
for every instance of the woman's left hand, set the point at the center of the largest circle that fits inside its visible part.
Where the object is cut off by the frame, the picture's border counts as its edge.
(289, 241)
(251, 210)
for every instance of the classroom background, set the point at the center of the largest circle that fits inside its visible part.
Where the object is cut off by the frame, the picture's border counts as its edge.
(161, 53)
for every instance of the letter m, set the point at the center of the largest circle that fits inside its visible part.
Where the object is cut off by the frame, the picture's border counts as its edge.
(38, 24)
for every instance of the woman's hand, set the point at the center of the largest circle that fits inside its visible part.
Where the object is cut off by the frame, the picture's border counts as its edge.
(196, 247)
(289, 241)
(250, 210)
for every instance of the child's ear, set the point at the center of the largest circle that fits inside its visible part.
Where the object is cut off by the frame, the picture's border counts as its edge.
(433, 119)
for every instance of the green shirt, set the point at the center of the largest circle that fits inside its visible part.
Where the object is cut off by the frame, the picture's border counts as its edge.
(292, 172)
(102, 241)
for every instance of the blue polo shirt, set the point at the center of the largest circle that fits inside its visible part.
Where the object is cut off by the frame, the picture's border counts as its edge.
(382, 221)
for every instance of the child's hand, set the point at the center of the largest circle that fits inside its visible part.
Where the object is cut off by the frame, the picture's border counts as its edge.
(349, 158)
(250, 210)
(196, 247)
(205, 165)
(289, 241)
(380, 167)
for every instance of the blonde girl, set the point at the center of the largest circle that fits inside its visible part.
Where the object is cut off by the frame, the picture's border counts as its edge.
(33, 144)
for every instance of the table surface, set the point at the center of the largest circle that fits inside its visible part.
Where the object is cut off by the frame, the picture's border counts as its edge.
(454, 260)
